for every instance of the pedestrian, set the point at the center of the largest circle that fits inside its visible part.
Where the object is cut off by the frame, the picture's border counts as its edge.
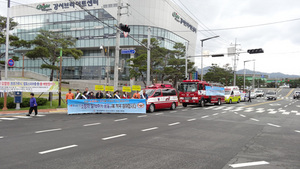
(78, 95)
(84, 96)
(69, 95)
(124, 96)
(117, 96)
(249, 99)
(87, 91)
(107, 95)
(91, 96)
(99, 95)
(144, 95)
(33, 105)
(136, 95)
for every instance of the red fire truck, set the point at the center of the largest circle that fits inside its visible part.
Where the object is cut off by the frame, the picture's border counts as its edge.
(196, 92)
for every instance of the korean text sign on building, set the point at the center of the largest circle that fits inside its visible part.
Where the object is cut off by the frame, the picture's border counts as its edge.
(28, 86)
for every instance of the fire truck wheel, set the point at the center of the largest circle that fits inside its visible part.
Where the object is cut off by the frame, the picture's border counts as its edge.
(184, 104)
(173, 107)
(219, 102)
(151, 108)
(202, 103)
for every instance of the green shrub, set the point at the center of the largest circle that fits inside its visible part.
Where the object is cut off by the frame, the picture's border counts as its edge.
(25, 102)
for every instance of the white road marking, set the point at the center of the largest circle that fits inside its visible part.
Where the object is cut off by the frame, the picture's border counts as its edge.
(248, 164)
(218, 108)
(248, 110)
(149, 129)
(297, 114)
(57, 149)
(23, 117)
(282, 110)
(272, 112)
(158, 113)
(92, 124)
(274, 125)
(286, 113)
(40, 115)
(112, 137)
(185, 110)
(203, 117)
(294, 111)
(173, 111)
(254, 119)
(196, 108)
(242, 115)
(235, 113)
(121, 119)
(260, 111)
(209, 108)
(286, 106)
(191, 119)
(228, 108)
(44, 131)
(224, 112)
(215, 114)
(172, 124)
(298, 131)
(271, 109)
(7, 118)
(1, 137)
(143, 116)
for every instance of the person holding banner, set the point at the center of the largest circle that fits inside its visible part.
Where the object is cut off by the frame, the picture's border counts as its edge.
(136, 95)
(84, 96)
(124, 96)
(144, 95)
(99, 95)
(33, 105)
(117, 96)
(91, 96)
(78, 95)
(87, 91)
(107, 95)
(69, 95)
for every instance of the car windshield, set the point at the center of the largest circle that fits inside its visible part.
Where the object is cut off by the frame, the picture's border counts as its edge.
(149, 92)
(227, 92)
(188, 87)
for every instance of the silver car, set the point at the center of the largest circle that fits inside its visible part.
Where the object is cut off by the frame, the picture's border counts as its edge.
(271, 95)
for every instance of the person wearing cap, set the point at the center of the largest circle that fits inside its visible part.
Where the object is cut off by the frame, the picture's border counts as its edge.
(69, 96)
(33, 105)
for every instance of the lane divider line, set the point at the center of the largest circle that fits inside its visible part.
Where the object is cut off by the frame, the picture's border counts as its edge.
(215, 114)
(142, 116)
(274, 125)
(191, 119)
(92, 124)
(158, 114)
(1, 137)
(44, 131)
(23, 117)
(248, 164)
(57, 149)
(298, 131)
(121, 119)
(172, 124)
(203, 117)
(242, 115)
(149, 129)
(6, 118)
(112, 137)
(254, 119)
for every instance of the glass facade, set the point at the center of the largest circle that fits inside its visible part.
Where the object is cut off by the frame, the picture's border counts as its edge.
(91, 34)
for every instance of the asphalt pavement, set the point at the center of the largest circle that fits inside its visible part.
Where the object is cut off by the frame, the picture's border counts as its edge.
(261, 134)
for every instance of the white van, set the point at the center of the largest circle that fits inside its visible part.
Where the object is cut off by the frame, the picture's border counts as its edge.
(232, 94)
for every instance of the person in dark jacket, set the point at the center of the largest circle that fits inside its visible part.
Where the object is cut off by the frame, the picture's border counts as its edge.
(99, 95)
(249, 97)
(78, 95)
(91, 96)
(116, 95)
(108, 95)
(33, 105)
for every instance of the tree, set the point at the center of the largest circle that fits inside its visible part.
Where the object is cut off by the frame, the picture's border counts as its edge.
(47, 47)
(221, 75)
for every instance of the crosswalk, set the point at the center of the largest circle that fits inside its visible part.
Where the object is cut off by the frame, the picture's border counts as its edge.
(254, 110)
(11, 118)
(286, 98)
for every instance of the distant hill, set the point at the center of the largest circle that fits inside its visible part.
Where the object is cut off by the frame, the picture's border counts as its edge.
(271, 75)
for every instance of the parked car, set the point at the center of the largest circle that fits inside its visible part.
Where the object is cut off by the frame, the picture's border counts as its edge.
(259, 93)
(253, 95)
(271, 95)
(296, 95)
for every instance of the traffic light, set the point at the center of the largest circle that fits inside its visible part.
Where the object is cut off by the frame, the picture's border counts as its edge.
(254, 51)
(124, 28)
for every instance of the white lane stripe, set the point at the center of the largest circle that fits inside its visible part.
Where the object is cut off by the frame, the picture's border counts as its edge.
(242, 115)
(6, 118)
(172, 124)
(254, 119)
(274, 125)
(143, 116)
(158, 113)
(235, 113)
(224, 112)
(40, 115)
(57, 149)
(121, 119)
(298, 131)
(285, 106)
(173, 111)
(149, 129)
(3, 137)
(191, 119)
(203, 117)
(92, 124)
(44, 131)
(215, 114)
(185, 110)
(112, 137)
(23, 117)
(208, 108)
(248, 164)
(196, 108)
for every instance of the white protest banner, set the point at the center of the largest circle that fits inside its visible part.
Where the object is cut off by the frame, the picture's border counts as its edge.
(28, 86)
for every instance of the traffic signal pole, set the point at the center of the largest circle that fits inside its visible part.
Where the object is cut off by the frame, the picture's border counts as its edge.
(117, 50)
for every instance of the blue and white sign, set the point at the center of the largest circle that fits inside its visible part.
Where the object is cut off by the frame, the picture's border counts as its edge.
(132, 51)
(83, 106)
(11, 62)
(214, 91)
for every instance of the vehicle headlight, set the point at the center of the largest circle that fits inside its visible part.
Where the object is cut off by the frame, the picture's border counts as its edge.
(195, 98)
(181, 98)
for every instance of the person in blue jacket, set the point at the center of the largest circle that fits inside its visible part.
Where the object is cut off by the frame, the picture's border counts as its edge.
(33, 105)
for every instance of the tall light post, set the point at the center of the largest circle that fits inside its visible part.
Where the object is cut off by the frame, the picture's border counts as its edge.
(202, 40)
(60, 71)
(245, 71)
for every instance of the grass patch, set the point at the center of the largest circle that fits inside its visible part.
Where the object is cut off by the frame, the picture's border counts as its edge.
(46, 106)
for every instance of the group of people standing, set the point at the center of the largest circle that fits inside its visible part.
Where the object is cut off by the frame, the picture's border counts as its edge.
(100, 95)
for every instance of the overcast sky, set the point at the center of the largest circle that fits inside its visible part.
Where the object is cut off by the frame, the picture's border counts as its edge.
(280, 41)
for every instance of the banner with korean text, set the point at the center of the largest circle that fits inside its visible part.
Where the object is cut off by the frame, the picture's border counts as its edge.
(83, 106)
(28, 86)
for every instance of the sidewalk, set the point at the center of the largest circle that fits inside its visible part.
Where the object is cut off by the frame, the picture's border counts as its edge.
(58, 110)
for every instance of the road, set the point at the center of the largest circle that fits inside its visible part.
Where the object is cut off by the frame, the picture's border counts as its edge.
(262, 134)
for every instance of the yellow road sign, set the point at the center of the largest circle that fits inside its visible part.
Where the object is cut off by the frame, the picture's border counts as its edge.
(136, 88)
(109, 88)
(99, 87)
(126, 89)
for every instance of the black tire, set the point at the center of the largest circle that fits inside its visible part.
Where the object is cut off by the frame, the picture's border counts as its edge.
(219, 102)
(202, 103)
(184, 104)
(173, 106)
(151, 108)
(230, 101)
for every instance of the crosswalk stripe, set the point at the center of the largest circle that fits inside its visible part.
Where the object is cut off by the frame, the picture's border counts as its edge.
(22, 117)
(6, 118)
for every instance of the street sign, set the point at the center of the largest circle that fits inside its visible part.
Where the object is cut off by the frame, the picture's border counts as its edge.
(126, 89)
(132, 51)
(99, 87)
(109, 88)
(136, 88)
(11, 62)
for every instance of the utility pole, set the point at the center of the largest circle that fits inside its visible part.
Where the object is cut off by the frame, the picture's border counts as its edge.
(234, 69)
(186, 53)
(117, 50)
(6, 53)
(23, 66)
(60, 71)
(148, 56)
(253, 80)
(107, 64)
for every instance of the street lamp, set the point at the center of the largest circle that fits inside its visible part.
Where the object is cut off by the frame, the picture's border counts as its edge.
(245, 70)
(60, 70)
(202, 40)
